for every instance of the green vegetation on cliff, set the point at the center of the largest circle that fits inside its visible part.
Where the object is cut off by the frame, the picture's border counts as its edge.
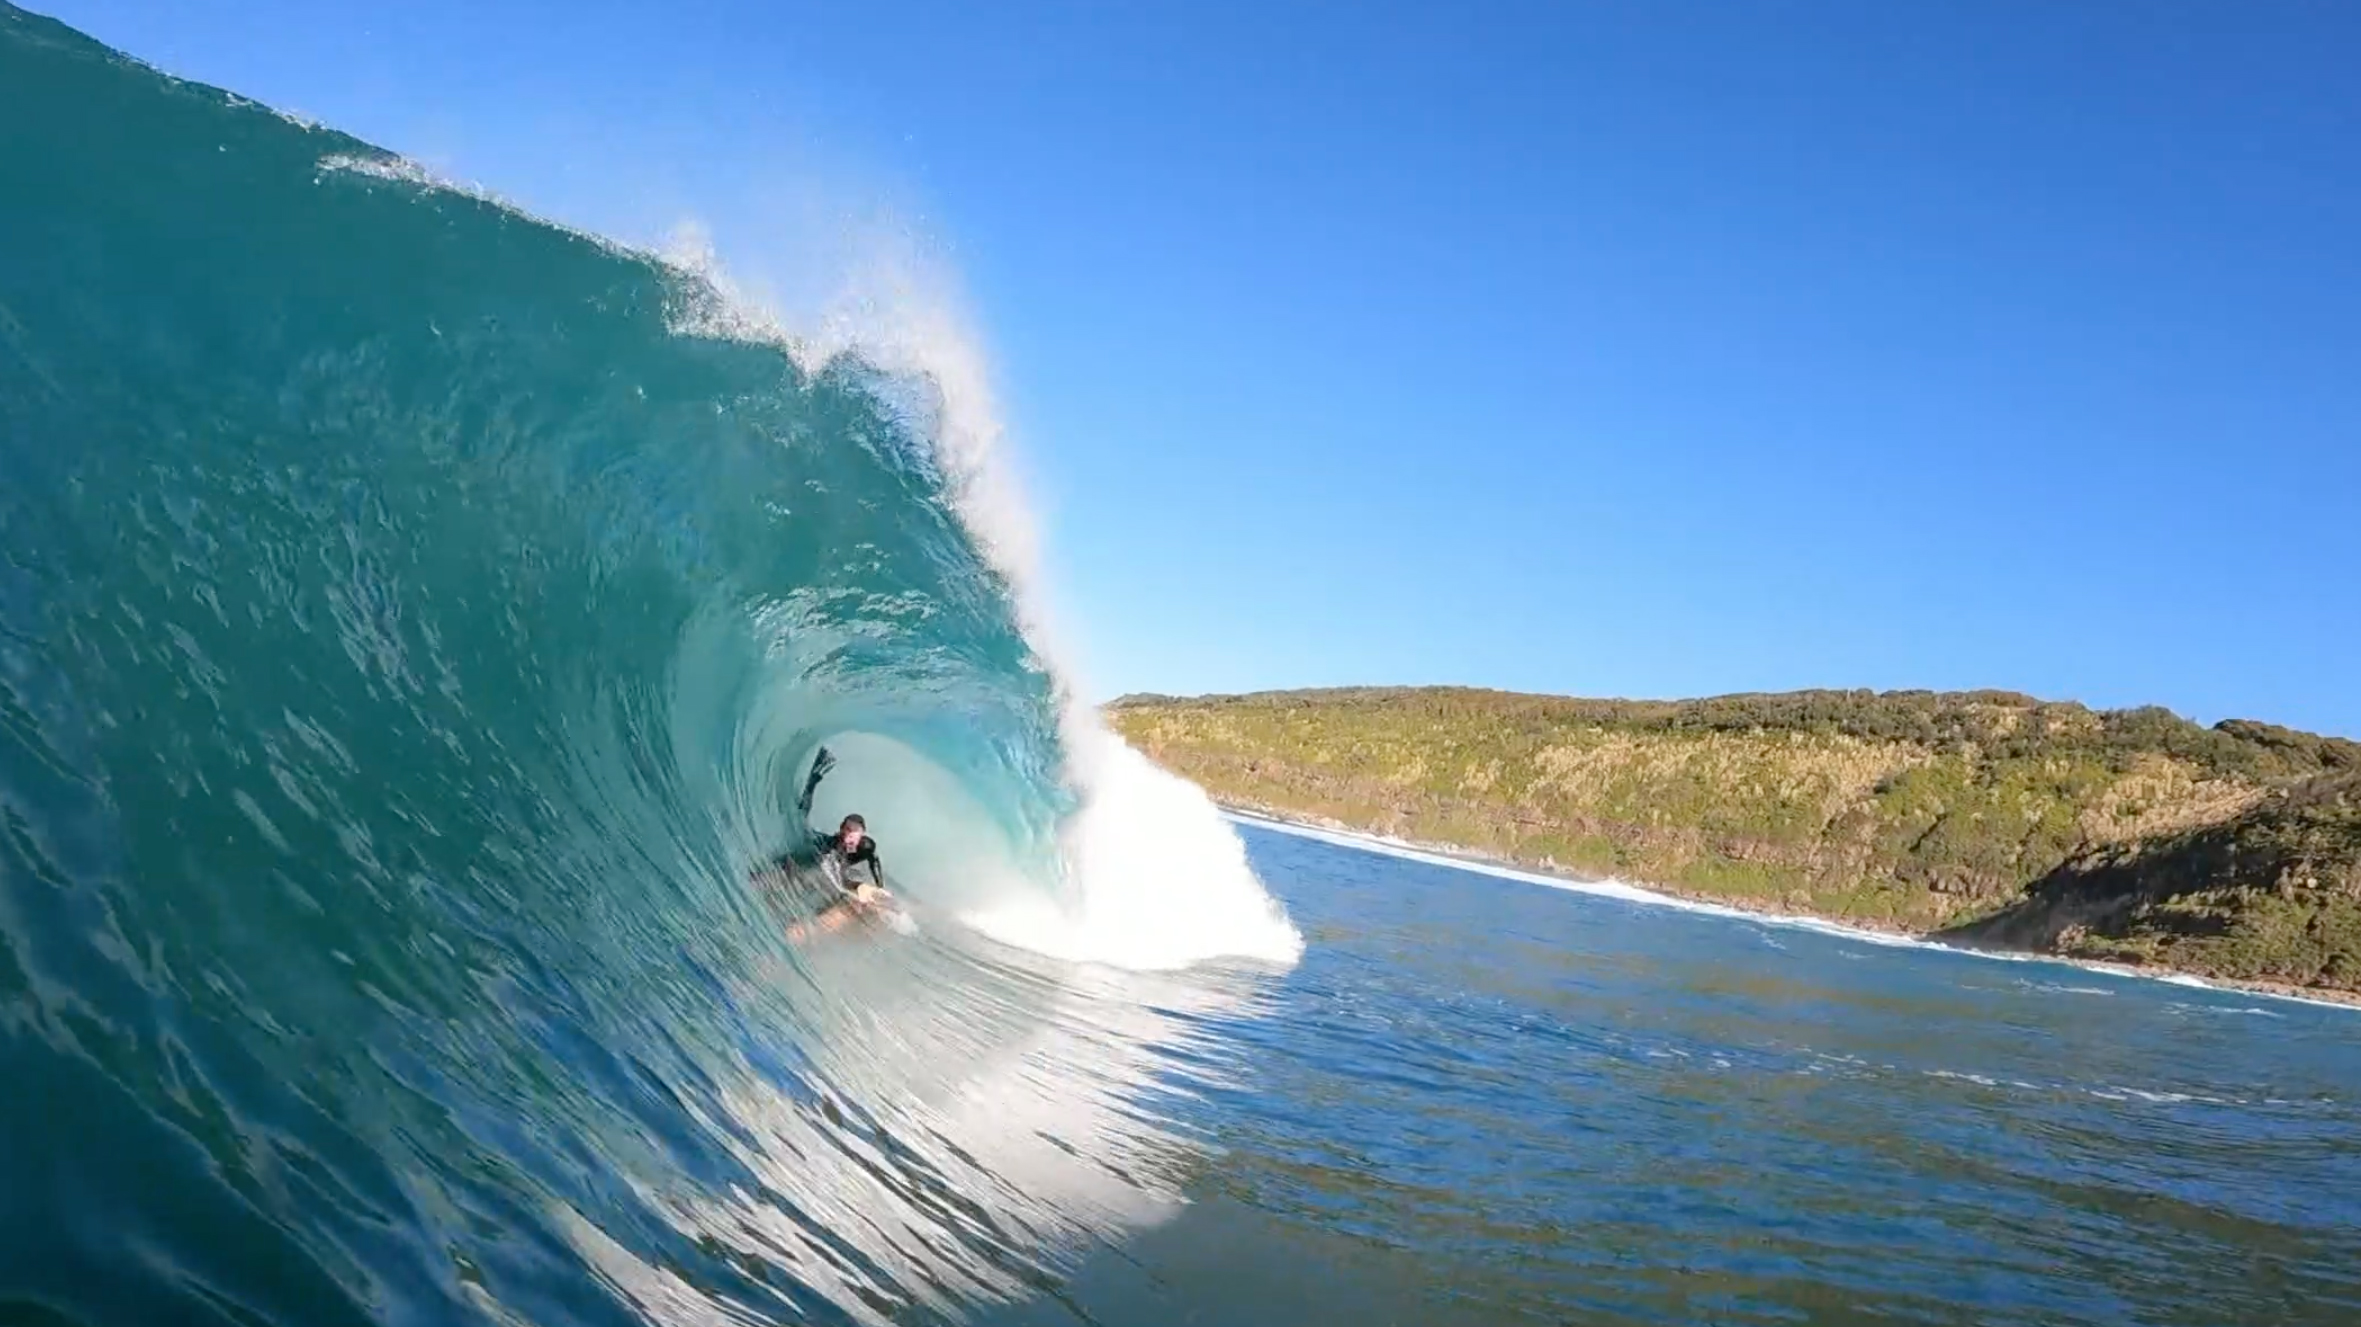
(2131, 835)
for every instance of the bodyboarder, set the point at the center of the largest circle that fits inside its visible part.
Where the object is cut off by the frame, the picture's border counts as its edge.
(846, 858)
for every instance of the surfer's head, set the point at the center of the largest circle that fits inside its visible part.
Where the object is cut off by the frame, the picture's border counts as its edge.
(851, 831)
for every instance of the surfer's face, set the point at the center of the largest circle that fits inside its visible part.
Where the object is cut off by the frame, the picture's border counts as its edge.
(850, 836)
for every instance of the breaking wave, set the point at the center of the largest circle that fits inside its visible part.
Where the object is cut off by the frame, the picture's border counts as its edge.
(416, 619)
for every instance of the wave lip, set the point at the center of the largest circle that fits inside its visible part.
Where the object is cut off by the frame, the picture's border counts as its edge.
(1143, 872)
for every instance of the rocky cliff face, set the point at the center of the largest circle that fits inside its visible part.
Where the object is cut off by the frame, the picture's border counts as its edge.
(1985, 817)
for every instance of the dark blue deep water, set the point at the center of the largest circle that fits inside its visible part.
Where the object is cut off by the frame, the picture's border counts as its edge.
(1484, 1101)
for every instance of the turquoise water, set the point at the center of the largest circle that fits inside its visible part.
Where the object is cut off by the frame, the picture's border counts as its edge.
(415, 620)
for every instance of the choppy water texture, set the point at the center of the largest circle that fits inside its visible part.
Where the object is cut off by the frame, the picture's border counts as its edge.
(414, 622)
(1480, 1101)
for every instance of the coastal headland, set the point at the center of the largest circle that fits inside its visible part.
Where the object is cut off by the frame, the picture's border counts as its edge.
(1982, 819)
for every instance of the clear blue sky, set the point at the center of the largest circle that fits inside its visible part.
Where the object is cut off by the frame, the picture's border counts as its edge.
(1638, 349)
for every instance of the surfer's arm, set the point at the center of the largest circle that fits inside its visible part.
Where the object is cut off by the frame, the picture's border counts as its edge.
(821, 764)
(864, 893)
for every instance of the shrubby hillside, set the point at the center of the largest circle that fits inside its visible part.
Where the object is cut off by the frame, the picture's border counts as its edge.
(1985, 817)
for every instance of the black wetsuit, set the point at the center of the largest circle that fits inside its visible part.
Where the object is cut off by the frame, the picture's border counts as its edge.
(853, 869)
(848, 871)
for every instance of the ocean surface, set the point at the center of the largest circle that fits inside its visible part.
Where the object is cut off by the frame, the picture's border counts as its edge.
(1479, 1100)
(416, 619)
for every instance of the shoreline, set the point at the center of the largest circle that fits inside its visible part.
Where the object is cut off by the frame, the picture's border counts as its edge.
(1465, 858)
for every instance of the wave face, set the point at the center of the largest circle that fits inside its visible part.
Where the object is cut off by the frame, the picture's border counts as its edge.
(415, 618)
